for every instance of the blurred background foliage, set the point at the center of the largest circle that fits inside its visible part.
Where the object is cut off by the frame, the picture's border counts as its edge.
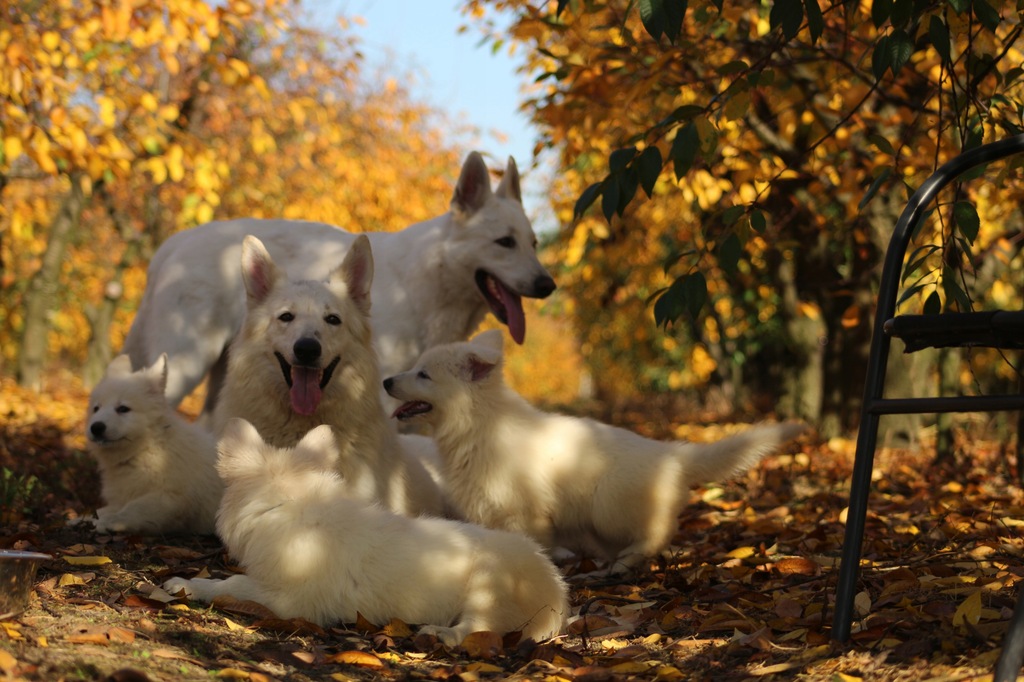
(725, 176)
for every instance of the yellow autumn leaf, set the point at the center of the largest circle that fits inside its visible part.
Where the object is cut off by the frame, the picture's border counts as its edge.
(87, 560)
(969, 610)
(51, 40)
(148, 102)
(232, 674)
(7, 662)
(741, 553)
(12, 148)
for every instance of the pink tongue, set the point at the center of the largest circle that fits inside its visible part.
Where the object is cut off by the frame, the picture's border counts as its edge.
(514, 313)
(306, 391)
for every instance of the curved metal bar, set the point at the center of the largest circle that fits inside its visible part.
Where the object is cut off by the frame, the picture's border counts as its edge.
(867, 436)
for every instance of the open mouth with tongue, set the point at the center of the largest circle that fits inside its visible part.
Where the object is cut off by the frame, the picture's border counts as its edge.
(306, 384)
(411, 409)
(506, 305)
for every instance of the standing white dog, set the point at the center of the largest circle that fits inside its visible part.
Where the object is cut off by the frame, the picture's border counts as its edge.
(312, 551)
(303, 358)
(157, 469)
(437, 280)
(564, 481)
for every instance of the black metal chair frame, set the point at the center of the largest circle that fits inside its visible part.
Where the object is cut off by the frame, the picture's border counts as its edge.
(967, 329)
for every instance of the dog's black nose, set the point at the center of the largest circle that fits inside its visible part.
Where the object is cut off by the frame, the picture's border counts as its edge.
(388, 383)
(543, 286)
(307, 351)
(98, 429)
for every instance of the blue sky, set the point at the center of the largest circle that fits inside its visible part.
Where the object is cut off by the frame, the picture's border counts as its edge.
(452, 71)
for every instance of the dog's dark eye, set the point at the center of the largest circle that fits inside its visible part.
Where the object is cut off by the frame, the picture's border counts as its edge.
(95, 409)
(422, 375)
(333, 320)
(123, 409)
(506, 242)
(286, 317)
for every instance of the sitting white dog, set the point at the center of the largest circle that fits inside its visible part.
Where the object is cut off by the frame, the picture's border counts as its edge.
(156, 468)
(564, 481)
(311, 549)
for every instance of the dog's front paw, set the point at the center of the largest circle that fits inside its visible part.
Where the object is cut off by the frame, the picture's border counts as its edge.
(176, 586)
(81, 522)
(450, 637)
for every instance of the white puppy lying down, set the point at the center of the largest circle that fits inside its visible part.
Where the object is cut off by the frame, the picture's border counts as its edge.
(564, 481)
(156, 467)
(311, 550)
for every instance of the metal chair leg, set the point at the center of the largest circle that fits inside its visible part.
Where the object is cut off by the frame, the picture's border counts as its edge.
(860, 488)
(1012, 656)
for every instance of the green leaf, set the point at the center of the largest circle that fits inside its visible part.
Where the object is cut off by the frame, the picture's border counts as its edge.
(938, 34)
(881, 10)
(967, 220)
(663, 17)
(960, 6)
(815, 21)
(688, 294)
(873, 189)
(729, 252)
(902, 11)
(881, 58)
(910, 293)
(987, 15)
(882, 143)
(757, 221)
(649, 168)
(695, 288)
(732, 214)
(901, 47)
(620, 158)
(587, 198)
(933, 304)
(788, 14)
(917, 259)
(953, 291)
(684, 149)
(610, 197)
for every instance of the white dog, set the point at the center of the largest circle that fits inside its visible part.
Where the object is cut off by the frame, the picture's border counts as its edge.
(303, 358)
(157, 469)
(311, 550)
(564, 481)
(437, 280)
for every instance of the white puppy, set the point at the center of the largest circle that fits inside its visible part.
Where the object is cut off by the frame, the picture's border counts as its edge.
(312, 550)
(157, 468)
(564, 481)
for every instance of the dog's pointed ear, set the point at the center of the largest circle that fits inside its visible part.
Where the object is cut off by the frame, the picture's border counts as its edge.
(119, 367)
(239, 447)
(492, 340)
(318, 447)
(508, 188)
(473, 188)
(357, 272)
(477, 367)
(239, 433)
(258, 270)
(158, 373)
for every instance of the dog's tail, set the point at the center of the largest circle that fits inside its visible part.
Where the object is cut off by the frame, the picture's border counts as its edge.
(722, 459)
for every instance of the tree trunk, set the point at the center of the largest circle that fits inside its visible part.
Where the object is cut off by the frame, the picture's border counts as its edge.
(101, 316)
(804, 379)
(42, 290)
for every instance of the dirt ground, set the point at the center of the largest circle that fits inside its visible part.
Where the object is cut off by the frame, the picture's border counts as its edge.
(747, 592)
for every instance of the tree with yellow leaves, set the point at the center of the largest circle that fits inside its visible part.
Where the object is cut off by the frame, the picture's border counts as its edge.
(123, 122)
(746, 163)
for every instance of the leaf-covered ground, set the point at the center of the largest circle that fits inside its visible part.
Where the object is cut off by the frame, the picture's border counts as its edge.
(747, 593)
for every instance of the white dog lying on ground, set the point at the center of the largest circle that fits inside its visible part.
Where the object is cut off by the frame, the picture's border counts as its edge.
(157, 469)
(437, 280)
(311, 550)
(564, 481)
